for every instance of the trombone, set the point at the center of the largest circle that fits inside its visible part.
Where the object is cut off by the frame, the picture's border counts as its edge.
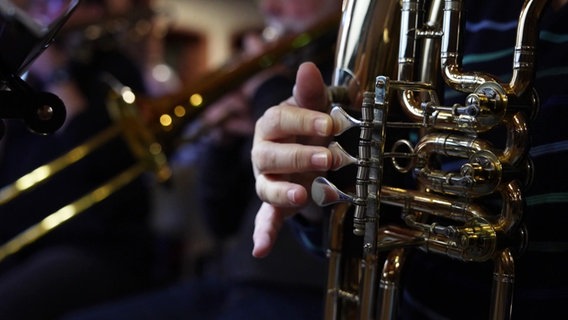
(152, 129)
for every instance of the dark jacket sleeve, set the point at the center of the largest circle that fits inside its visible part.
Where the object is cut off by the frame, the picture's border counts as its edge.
(226, 180)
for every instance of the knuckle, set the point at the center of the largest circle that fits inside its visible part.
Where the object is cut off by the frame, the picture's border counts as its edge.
(260, 190)
(271, 119)
(299, 161)
(263, 159)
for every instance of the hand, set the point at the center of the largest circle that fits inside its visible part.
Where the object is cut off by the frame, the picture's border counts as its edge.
(289, 151)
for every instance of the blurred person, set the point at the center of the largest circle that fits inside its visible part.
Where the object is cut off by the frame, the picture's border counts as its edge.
(134, 28)
(290, 283)
(107, 250)
(290, 149)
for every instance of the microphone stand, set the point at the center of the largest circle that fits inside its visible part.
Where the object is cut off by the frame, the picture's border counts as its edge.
(22, 40)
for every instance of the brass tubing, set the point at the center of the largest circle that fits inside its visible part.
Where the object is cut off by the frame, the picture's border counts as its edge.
(517, 141)
(69, 211)
(450, 213)
(512, 208)
(525, 46)
(409, 25)
(450, 56)
(453, 209)
(389, 284)
(368, 36)
(431, 203)
(523, 60)
(409, 33)
(41, 174)
(455, 77)
(369, 279)
(503, 284)
(334, 253)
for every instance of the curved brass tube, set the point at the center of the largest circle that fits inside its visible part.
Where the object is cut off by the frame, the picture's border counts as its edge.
(525, 46)
(492, 111)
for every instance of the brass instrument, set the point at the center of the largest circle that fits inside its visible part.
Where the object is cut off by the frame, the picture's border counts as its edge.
(445, 212)
(152, 127)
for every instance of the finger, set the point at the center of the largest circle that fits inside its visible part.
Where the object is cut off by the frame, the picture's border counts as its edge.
(284, 121)
(281, 193)
(278, 158)
(268, 222)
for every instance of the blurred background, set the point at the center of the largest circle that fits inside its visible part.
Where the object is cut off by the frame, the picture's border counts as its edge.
(198, 37)
(204, 34)
(106, 210)
(216, 23)
(175, 44)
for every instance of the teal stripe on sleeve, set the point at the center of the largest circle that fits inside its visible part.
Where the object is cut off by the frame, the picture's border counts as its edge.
(484, 57)
(553, 37)
(557, 197)
(491, 25)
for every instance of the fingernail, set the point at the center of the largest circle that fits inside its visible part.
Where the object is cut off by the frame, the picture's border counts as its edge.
(291, 194)
(321, 126)
(320, 160)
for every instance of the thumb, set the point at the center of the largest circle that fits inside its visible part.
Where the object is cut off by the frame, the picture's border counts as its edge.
(310, 90)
